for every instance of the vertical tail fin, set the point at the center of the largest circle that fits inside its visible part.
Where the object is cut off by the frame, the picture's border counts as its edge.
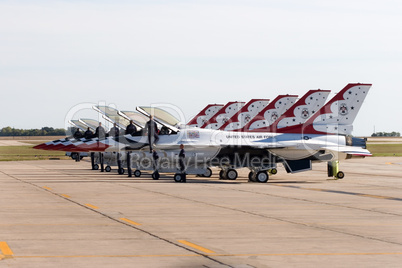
(205, 114)
(337, 116)
(271, 112)
(245, 114)
(224, 114)
(300, 112)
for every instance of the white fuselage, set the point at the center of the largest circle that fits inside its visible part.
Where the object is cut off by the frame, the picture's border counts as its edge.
(208, 142)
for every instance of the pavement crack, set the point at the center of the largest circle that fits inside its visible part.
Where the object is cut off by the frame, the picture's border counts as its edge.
(119, 221)
(275, 218)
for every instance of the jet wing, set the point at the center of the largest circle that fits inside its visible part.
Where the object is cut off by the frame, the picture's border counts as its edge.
(352, 150)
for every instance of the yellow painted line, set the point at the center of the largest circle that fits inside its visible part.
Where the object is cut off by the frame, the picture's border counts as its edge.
(66, 196)
(205, 250)
(5, 249)
(47, 188)
(374, 196)
(91, 206)
(130, 221)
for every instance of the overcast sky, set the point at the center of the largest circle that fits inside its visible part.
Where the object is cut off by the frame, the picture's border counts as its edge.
(55, 55)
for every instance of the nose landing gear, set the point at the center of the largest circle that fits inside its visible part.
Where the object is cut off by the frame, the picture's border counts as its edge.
(333, 170)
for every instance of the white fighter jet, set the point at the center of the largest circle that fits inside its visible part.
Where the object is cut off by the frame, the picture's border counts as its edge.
(325, 136)
(204, 115)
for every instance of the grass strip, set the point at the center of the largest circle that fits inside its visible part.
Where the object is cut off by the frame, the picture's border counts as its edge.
(26, 152)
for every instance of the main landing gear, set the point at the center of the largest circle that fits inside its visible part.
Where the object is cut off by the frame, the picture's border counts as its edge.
(155, 175)
(207, 173)
(180, 177)
(261, 175)
(228, 174)
(137, 173)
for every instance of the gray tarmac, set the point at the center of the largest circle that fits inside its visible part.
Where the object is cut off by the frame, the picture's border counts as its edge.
(58, 213)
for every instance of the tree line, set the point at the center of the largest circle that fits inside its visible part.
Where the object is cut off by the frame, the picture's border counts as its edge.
(386, 134)
(45, 131)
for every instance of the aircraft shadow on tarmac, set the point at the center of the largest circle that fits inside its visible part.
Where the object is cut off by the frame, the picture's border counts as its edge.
(146, 178)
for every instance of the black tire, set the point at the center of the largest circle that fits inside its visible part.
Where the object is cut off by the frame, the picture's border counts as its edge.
(250, 176)
(222, 175)
(108, 169)
(120, 171)
(208, 173)
(340, 175)
(177, 177)
(137, 173)
(96, 167)
(231, 174)
(155, 175)
(262, 176)
(274, 171)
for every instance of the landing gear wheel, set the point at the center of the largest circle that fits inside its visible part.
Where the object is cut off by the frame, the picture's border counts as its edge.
(222, 175)
(262, 176)
(252, 177)
(96, 167)
(274, 171)
(340, 175)
(120, 171)
(108, 169)
(208, 173)
(137, 173)
(155, 175)
(231, 174)
(179, 177)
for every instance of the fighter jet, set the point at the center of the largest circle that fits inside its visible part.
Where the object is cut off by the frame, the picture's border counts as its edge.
(297, 114)
(204, 115)
(245, 114)
(223, 115)
(323, 137)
